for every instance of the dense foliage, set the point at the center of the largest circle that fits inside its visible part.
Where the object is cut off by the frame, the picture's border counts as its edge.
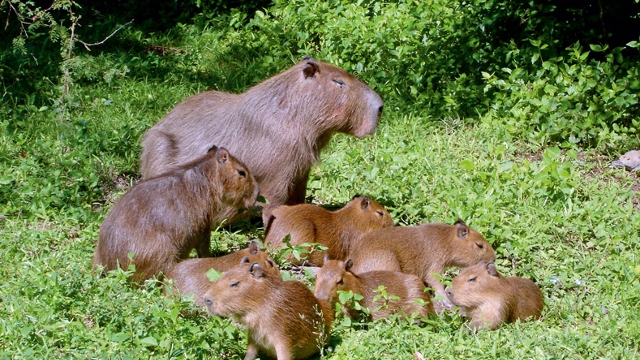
(502, 113)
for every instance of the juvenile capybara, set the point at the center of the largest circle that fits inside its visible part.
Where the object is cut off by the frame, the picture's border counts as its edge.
(277, 128)
(190, 276)
(161, 219)
(283, 318)
(336, 275)
(490, 299)
(421, 250)
(307, 223)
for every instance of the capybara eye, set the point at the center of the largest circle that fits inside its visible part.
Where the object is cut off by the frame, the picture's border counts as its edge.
(234, 284)
(340, 282)
(379, 212)
(339, 82)
(242, 173)
(480, 245)
(472, 279)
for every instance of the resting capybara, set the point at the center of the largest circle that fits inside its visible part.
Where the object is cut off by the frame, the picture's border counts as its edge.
(283, 318)
(490, 299)
(307, 223)
(336, 275)
(277, 128)
(190, 276)
(421, 250)
(161, 219)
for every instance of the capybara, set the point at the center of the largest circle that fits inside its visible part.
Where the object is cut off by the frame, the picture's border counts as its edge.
(336, 275)
(490, 299)
(307, 223)
(190, 276)
(161, 219)
(421, 250)
(283, 318)
(277, 128)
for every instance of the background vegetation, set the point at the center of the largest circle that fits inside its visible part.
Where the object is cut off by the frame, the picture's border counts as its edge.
(503, 114)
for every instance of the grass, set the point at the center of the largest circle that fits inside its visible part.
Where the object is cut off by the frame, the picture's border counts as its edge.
(555, 215)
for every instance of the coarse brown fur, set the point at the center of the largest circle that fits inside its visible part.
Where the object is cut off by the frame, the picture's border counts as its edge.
(336, 275)
(283, 318)
(190, 276)
(421, 250)
(490, 299)
(160, 220)
(307, 223)
(277, 128)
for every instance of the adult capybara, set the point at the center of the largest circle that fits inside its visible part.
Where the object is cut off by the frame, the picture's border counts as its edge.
(307, 223)
(490, 299)
(283, 318)
(277, 128)
(421, 250)
(190, 276)
(161, 219)
(336, 275)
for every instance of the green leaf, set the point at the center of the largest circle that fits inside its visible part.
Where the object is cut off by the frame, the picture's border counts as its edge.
(467, 165)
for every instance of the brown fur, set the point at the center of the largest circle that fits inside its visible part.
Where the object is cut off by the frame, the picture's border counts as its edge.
(307, 223)
(162, 219)
(421, 250)
(336, 275)
(490, 299)
(190, 276)
(283, 318)
(277, 128)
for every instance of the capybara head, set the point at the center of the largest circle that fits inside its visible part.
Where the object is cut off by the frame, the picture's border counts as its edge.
(255, 255)
(239, 188)
(332, 277)
(475, 285)
(355, 107)
(472, 247)
(238, 290)
(367, 214)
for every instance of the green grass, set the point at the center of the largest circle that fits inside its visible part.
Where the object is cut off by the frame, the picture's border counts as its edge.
(557, 216)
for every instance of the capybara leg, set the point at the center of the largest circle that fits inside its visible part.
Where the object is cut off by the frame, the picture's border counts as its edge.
(203, 247)
(283, 351)
(439, 291)
(299, 191)
(252, 351)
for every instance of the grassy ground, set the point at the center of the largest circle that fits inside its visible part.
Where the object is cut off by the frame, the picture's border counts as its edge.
(557, 216)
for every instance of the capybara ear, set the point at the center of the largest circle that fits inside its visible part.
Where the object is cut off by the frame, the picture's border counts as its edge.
(326, 257)
(356, 196)
(222, 155)
(244, 260)
(254, 248)
(256, 270)
(364, 204)
(307, 57)
(491, 269)
(310, 69)
(348, 264)
(214, 148)
(462, 230)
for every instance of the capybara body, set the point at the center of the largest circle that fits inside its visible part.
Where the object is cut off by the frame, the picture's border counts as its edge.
(336, 275)
(307, 223)
(190, 276)
(421, 250)
(277, 128)
(283, 318)
(490, 299)
(161, 219)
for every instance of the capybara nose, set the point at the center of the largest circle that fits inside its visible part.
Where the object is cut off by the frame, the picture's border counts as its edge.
(380, 110)
(208, 301)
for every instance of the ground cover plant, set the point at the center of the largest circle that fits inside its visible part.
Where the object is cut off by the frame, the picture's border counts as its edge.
(513, 134)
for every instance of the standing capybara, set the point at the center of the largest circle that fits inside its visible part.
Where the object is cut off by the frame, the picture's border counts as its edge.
(283, 318)
(190, 276)
(161, 219)
(421, 250)
(490, 299)
(277, 128)
(307, 223)
(336, 275)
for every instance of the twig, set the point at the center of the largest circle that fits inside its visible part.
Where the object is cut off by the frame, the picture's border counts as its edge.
(105, 39)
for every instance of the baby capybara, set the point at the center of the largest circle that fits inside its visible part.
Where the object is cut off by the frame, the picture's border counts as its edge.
(421, 250)
(277, 128)
(283, 318)
(336, 275)
(161, 219)
(307, 223)
(490, 299)
(190, 276)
